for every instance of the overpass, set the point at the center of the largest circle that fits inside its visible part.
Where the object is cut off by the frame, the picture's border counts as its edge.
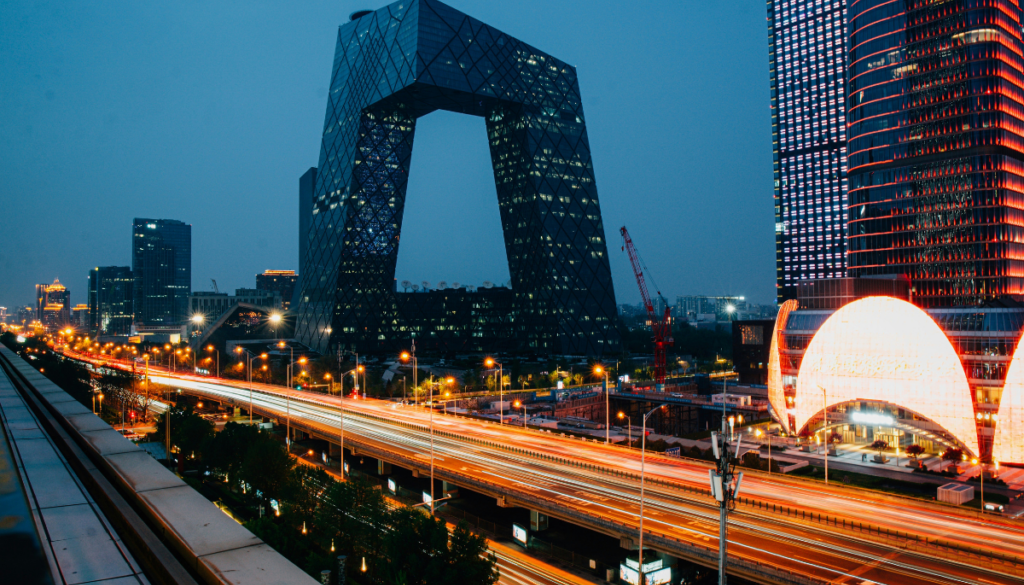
(783, 531)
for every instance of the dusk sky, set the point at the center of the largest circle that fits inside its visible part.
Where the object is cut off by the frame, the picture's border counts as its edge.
(209, 112)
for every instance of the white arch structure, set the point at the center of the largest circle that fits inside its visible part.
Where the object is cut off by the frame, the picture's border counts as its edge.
(1008, 443)
(887, 350)
(776, 390)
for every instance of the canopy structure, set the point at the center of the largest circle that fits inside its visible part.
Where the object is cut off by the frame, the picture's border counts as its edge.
(776, 389)
(1008, 443)
(884, 349)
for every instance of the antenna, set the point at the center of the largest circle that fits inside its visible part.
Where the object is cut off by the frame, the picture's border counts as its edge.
(406, 284)
(442, 284)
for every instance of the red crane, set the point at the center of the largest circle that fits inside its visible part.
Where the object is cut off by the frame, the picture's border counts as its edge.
(661, 326)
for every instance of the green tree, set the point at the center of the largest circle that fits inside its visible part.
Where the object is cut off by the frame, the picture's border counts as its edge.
(418, 548)
(227, 450)
(267, 467)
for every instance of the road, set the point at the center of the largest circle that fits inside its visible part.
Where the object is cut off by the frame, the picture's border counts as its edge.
(594, 485)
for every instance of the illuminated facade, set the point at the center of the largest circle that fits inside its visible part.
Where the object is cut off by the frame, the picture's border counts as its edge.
(935, 121)
(1008, 444)
(405, 61)
(940, 375)
(54, 302)
(279, 281)
(807, 66)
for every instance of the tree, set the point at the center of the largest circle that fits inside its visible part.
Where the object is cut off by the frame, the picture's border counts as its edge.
(418, 548)
(880, 445)
(914, 451)
(577, 379)
(267, 467)
(228, 448)
(189, 431)
(952, 454)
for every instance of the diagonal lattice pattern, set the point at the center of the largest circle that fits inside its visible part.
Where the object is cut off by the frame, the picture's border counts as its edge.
(407, 60)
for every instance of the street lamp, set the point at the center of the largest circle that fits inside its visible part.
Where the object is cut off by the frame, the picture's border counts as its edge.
(341, 414)
(211, 348)
(518, 404)
(249, 356)
(405, 357)
(601, 371)
(629, 423)
(490, 363)
(975, 462)
(275, 319)
(643, 445)
(768, 434)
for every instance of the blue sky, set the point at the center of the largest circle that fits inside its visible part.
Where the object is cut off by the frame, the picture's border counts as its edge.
(209, 113)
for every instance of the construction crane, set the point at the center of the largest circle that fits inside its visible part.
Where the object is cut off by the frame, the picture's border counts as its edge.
(661, 327)
(215, 289)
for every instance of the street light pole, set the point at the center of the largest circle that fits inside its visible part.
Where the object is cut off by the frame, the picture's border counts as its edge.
(643, 445)
(824, 428)
(431, 447)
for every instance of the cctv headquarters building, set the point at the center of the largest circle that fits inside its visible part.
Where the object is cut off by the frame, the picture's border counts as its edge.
(404, 61)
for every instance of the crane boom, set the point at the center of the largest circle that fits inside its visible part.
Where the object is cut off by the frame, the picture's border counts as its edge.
(661, 327)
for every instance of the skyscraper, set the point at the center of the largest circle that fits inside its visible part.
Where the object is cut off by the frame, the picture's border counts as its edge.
(162, 271)
(307, 186)
(54, 304)
(936, 114)
(405, 61)
(807, 61)
(110, 300)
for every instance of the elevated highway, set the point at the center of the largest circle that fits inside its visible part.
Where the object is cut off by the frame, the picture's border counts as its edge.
(783, 530)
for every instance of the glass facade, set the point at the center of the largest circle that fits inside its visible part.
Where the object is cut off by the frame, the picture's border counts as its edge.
(110, 300)
(405, 61)
(162, 271)
(807, 61)
(935, 116)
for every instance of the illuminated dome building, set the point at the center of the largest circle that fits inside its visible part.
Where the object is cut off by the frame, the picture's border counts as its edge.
(887, 369)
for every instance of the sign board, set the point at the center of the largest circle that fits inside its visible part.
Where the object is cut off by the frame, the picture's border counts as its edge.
(674, 451)
(519, 533)
(561, 385)
(392, 486)
(135, 339)
(658, 577)
(426, 497)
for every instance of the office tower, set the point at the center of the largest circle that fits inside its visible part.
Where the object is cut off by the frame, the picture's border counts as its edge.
(3, 314)
(936, 163)
(162, 271)
(111, 311)
(807, 60)
(280, 281)
(439, 58)
(307, 186)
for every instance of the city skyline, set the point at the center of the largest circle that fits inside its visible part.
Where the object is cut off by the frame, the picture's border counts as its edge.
(701, 228)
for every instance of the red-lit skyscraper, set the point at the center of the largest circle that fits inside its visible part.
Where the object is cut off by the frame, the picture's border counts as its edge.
(934, 106)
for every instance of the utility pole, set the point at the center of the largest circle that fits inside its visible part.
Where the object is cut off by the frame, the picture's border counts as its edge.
(722, 487)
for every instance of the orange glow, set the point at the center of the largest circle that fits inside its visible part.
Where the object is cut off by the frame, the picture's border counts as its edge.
(1008, 443)
(886, 350)
(405, 356)
(776, 389)
(489, 362)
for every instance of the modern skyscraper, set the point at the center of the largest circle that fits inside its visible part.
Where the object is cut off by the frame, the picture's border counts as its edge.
(407, 60)
(307, 187)
(279, 281)
(111, 311)
(936, 114)
(162, 271)
(807, 62)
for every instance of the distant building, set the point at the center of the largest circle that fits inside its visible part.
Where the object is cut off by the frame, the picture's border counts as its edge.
(3, 314)
(307, 186)
(706, 308)
(53, 304)
(211, 305)
(751, 347)
(162, 271)
(80, 317)
(279, 281)
(111, 310)
(24, 316)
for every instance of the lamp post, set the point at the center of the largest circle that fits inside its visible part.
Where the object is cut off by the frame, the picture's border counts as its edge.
(643, 445)
(629, 426)
(249, 356)
(341, 416)
(490, 363)
(275, 319)
(768, 434)
(824, 426)
(217, 351)
(601, 371)
(975, 461)
(197, 321)
(518, 404)
(405, 357)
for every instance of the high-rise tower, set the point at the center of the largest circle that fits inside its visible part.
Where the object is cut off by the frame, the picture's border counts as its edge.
(406, 60)
(162, 271)
(807, 61)
(936, 115)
